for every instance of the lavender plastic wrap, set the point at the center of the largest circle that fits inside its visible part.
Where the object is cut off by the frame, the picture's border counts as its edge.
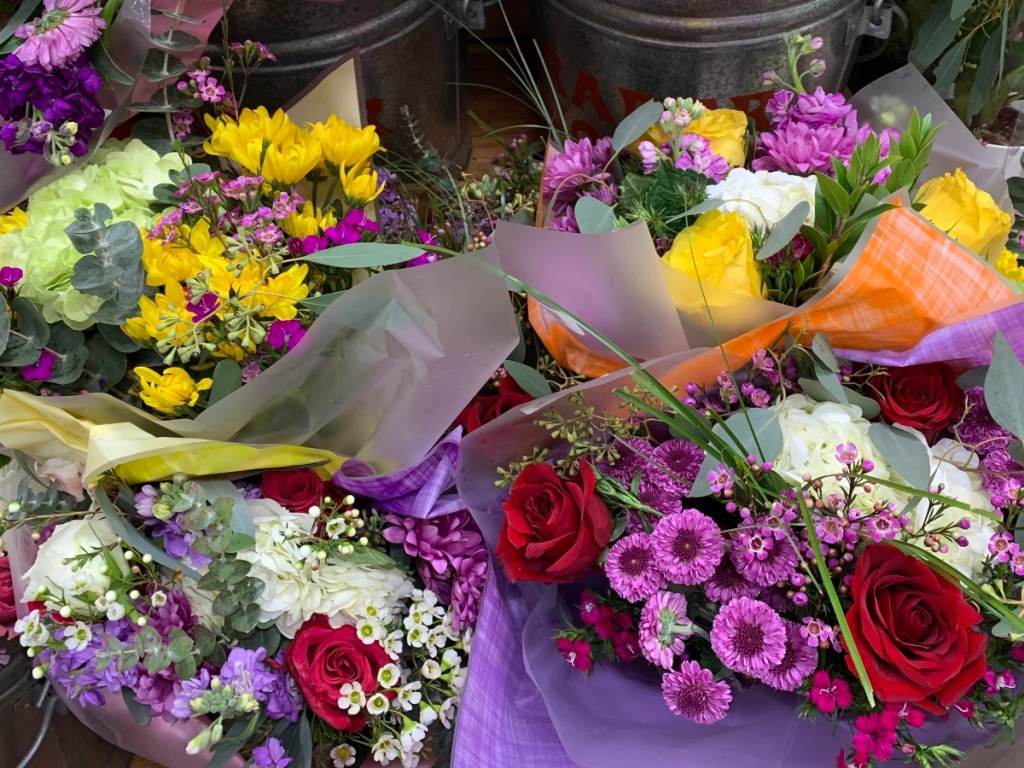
(128, 43)
(524, 707)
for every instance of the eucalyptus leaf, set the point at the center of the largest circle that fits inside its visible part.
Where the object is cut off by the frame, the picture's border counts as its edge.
(160, 66)
(701, 485)
(176, 40)
(139, 712)
(1016, 451)
(245, 618)
(708, 205)
(136, 540)
(69, 366)
(107, 364)
(227, 377)
(821, 347)
(903, 451)
(828, 380)
(241, 517)
(950, 64)
(29, 322)
(1004, 395)
(975, 377)
(318, 304)
(529, 379)
(594, 217)
(19, 354)
(958, 8)
(758, 432)
(783, 233)
(364, 255)
(5, 324)
(636, 124)
(934, 35)
(370, 556)
(988, 71)
(107, 67)
(116, 338)
(153, 133)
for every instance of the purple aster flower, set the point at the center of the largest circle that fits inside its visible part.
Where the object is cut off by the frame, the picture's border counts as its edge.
(64, 31)
(664, 628)
(42, 369)
(284, 699)
(285, 333)
(820, 108)
(468, 589)
(632, 569)
(10, 276)
(439, 541)
(174, 611)
(632, 454)
(438, 583)
(688, 546)
(580, 164)
(978, 429)
(270, 754)
(778, 108)
(763, 558)
(158, 692)
(803, 149)
(674, 465)
(660, 499)
(694, 693)
(748, 636)
(727, 584)
(798, 661)
(566, 221)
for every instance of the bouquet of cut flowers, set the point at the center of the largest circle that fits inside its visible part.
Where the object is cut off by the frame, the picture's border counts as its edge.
(275, 614)
(831, 531)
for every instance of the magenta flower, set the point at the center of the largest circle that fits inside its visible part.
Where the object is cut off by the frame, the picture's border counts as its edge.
(689, 546)
(798, 661)
(632, 569)
(581, 164)
(285, 333)
(10, 275)
(803, 149)
(827, 694)
(875, 737)
(201, 310)
(762, 558)
(674, 466)
(61, 34)
(694, 693)
(664, 628)
(820, 108)
(576, 652)
(727, 584)
(42, 369)
(748, 636)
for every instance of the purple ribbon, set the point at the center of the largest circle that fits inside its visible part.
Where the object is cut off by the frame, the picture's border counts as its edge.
(425, 490)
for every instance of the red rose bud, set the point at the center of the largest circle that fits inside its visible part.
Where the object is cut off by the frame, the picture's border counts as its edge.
(295, 489)
(323, 659)
(485, 408)
(555, 528)
(925, 397)
(914, 630)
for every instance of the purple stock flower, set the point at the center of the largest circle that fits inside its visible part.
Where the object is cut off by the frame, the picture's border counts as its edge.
(803, 149)
(748, 636)
(632, 568)
(190, 689)
(270, 754)
(468, 589)
(798, 661)
(440, 541)
(688, 546)
(76, 673)
(246, 672)
(696, 155)
(579, 165)
(284, 700)
(285, 333)
(693, 692)
(10, 275)
(42, 369)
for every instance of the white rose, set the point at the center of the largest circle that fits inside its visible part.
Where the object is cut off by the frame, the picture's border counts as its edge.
(59, 578)
(764, 198)
(949, 459)
(811, 431)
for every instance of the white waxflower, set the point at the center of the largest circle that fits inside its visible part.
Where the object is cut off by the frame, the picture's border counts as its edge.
(32, 633)
(77, 636)
(343, 756)
(352, 698)
(158, 599)
(378, 704)
(428, 714)
(764, 198)
(416, 637)
(386, 749)
(430, 669)
(409, 695)
(389, 676)
(447, 712)
(394, 643)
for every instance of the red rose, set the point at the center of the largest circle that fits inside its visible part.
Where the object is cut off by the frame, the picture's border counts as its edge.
(914, 631)
(8, 613)
(924, 397)
(322, 659)
(485, 408)
(554, 528)
(295, 489)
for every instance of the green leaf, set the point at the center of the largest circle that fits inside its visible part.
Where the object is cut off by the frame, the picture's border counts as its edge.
(186, 668)
(958, 8)
(227, 377)
(239, 542)
(708, 205)
(225, 604)
(160, 66)
(782, 234)
(934, 35)
(107, 67)
(116, 338)
(153, 133)
(636, 124)
(318, 304)
(364, 255)
(837, 197)
(176, 40)
(904, 451)
(30, 323)
(758, 433)
(136, 540)
(238, 734)
(5, 324)
(975, 377)
(1003, 393)
(821, 348)
(369, 556)
(140, 712)
(106, 363)
(828, 380)
(989, 66)
(949, 65)
(21, 14)
(298, 743)
(241, 517)
(529, 379)
(244, 620)
(1016, 451)
(206, 641)
(179, 644)
(69, 367)
(594, 217)
(176, 16)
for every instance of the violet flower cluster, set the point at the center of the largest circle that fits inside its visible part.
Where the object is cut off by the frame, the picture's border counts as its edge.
(579, 170)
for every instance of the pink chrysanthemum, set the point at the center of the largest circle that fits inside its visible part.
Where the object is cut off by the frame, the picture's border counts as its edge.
(61, 34)
(693, 693)
(763, 559)
(748, 636)
(727, 584)
(797, 663)
(674, 466)
(664, 628)
(689, 546)
(631, 568)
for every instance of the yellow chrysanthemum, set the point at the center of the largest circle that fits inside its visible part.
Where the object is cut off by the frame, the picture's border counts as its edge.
(170, 390)
(361, 189)
(343, 145)
(241, 281)
(290, 164)
(282, 291)
(167, 263)
(165, 317)
(242, 141)
(1008, 266)
(232, 350)
(15, 219)
(308, 221)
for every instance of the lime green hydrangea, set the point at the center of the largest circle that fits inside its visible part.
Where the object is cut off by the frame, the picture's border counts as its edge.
(120, 174)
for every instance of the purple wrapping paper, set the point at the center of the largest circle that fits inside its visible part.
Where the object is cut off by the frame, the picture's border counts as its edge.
(524, 707)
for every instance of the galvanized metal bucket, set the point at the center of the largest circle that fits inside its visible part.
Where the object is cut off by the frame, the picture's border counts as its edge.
(609, 56)
(410, 55)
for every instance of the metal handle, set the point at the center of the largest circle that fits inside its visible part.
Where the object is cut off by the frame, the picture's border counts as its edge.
(873, 20)
(463, 14)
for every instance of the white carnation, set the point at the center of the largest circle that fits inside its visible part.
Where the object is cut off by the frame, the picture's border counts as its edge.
(764, 198)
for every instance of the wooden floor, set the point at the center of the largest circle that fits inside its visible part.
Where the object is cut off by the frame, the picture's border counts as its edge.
(502, 115)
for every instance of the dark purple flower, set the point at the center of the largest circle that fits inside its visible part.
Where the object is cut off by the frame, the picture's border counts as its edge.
(158, 692)
(10, 275)
(42, 369)
(674, 466)
(270, 754)
(285, 333)
(174, 611)
(284, 701)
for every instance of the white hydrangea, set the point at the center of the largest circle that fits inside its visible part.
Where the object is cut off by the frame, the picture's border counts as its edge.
(764, 198)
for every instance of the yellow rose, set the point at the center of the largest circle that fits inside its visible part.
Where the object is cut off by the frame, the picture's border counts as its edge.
(967, 214)
(1008, 266)
(717, 249)
(168, 391)
(725, 130)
